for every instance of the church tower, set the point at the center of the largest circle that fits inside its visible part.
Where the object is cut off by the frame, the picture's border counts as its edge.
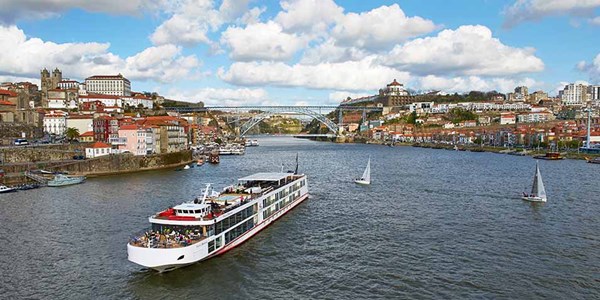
(45, 82)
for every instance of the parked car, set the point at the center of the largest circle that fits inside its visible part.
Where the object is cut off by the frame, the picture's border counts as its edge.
(78, 157)
(21, 142)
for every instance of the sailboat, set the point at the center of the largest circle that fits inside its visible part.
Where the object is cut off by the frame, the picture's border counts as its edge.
(366, 176)
(538, 192)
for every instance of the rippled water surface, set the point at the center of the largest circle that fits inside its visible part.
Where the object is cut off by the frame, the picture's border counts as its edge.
(434, 224)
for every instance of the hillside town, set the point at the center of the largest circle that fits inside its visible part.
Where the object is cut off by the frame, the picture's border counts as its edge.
(104, 112)
(515, 119)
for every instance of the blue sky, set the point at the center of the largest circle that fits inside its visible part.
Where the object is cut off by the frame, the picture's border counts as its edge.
(231, 52)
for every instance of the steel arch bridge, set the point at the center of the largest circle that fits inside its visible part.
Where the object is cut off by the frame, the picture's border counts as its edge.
(264, 112)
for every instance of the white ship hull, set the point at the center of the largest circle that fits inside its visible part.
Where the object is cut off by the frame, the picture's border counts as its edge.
(168, 259)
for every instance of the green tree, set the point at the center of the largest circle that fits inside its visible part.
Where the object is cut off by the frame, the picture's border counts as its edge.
(412, 118)
(72, 133)
(459, 114)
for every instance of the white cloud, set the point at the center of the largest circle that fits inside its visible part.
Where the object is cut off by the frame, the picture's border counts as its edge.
(329, 52)
(592, 68)
(12, 10)
(473, 83)
(189, 24)
(595, 21)
(468, 50)
(223, 96)
(252, 16)
(233, 9)
(25, 57)
(353, 76)
(261, 41)
(308, 15)
(531, 10)
(379, 28)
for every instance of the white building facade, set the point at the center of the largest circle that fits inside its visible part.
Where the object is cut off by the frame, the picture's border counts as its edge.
(115, 85)
(83, 123)
(55, 122)
(573, 94)
(68, 84)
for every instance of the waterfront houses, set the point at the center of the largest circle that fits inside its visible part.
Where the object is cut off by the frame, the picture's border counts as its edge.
(98, 149)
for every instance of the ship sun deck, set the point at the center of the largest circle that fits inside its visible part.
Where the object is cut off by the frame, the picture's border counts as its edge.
(157, 240)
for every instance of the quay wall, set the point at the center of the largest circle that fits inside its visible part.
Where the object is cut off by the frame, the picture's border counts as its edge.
(105, 165)
(125, 163)
(27, 154)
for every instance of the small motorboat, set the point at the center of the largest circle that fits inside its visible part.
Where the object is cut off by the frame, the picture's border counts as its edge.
(595, 160)
(5, 189)
(186, 167)
(63, 180)
(550, 156)
(25, 187)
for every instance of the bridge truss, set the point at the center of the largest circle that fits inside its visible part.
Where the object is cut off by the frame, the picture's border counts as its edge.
(263, 112)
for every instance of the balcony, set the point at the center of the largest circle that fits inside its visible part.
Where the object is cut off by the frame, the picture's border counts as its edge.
(118, 141)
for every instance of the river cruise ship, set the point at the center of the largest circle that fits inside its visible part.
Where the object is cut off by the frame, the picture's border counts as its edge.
(216, 222)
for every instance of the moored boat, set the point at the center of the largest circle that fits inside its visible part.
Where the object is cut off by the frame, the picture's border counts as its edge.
(5, 189)
(25, 187)
(550, 156)
(216, 222)
(213, 158)
(63, 180)
(595, 160)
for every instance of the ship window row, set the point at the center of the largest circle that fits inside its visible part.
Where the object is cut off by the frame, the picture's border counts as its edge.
(214, 244)
(234, 219)
(239, 230)
(191, 211)
(267, 212)
(284, 201)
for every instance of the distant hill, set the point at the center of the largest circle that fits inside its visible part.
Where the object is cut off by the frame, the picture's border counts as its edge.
(177, 103)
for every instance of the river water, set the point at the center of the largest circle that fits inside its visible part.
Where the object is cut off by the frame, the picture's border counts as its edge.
(433, 224)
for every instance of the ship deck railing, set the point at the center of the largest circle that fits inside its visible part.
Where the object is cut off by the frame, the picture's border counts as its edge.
(164, 241)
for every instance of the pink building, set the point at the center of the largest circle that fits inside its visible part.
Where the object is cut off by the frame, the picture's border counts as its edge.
(133, 139)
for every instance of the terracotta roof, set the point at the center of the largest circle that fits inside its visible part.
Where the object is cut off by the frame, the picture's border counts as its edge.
(87, 133)
(394, 83)
(99, 96)
(100, 145)
(2, 102)
(8, 93)
(128, 127)
(96, 77)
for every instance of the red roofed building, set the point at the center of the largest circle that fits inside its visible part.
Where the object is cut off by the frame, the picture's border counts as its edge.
(138, 100)
(173, 132)
(98, 149)
(107, 100)
(9, 96)
(135, 139)
(7, 111)
(86, 137)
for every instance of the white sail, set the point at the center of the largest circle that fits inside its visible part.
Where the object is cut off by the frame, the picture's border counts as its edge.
(538, 185)
(367, 173)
